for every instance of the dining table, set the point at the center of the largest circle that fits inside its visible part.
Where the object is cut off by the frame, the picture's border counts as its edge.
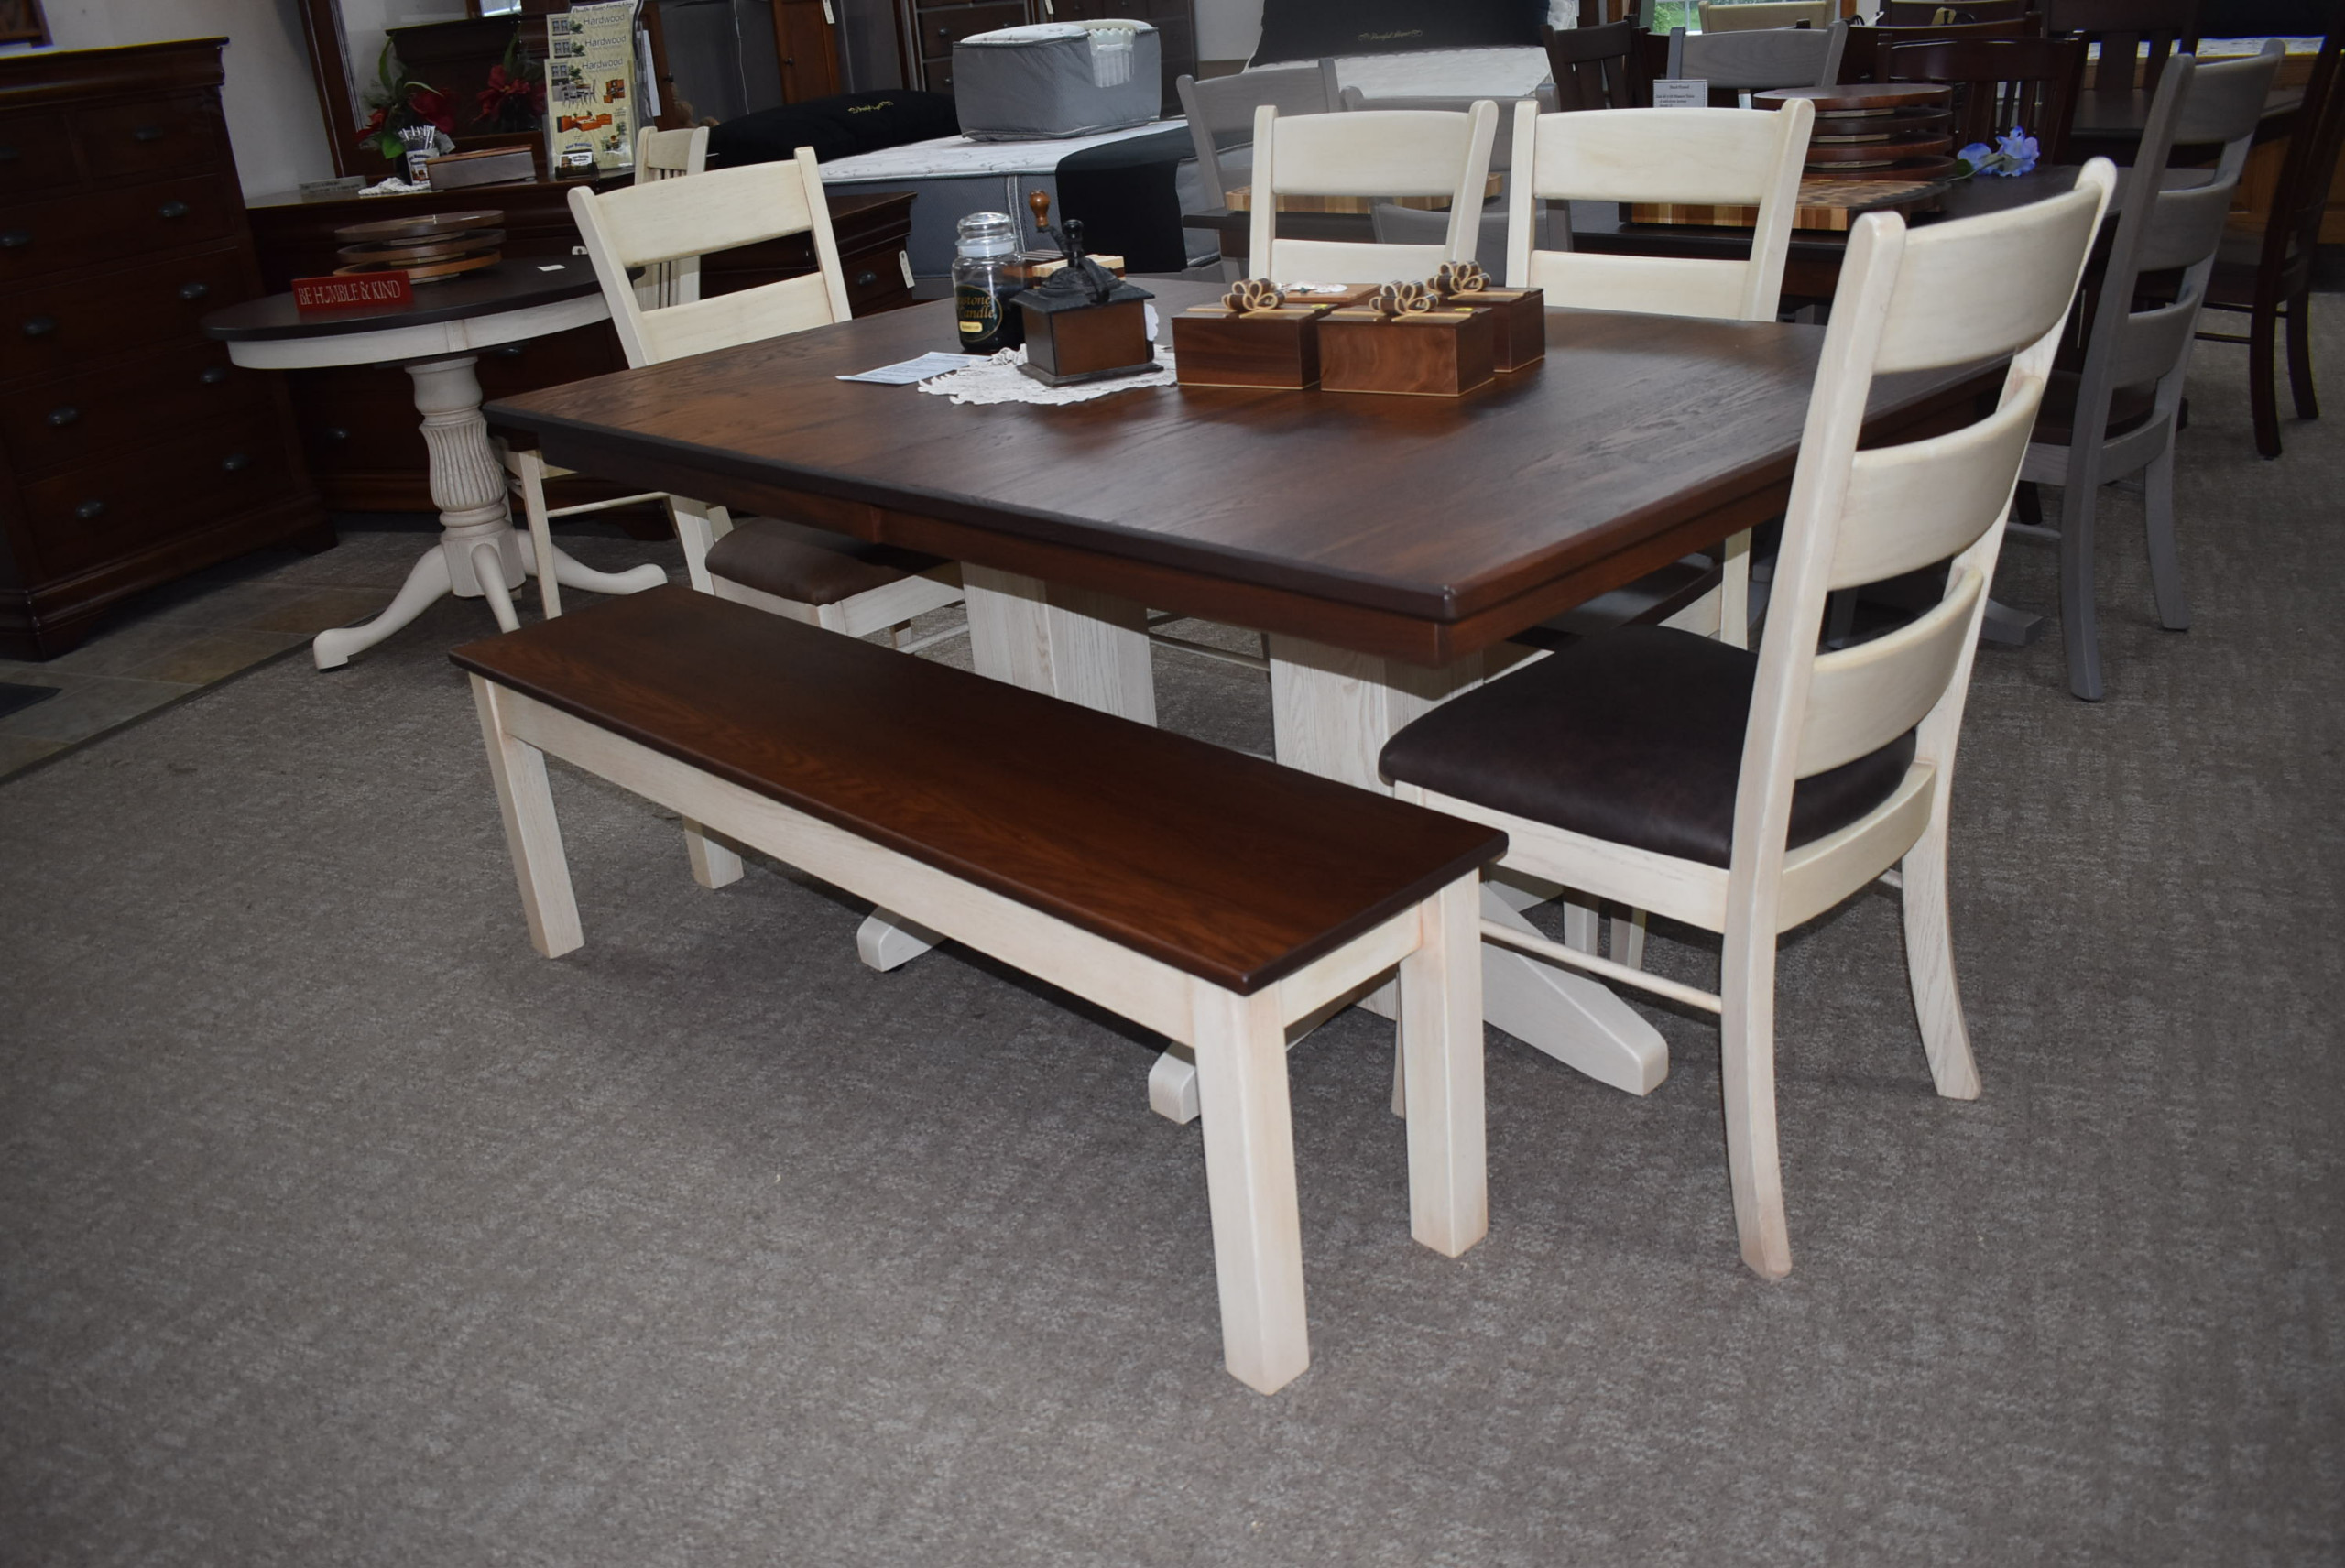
(1388, 546)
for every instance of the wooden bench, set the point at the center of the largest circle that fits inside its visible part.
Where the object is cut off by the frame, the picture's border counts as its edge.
(1205, 894)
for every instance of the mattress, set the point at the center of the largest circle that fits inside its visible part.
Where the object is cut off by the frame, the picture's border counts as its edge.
(1056, 78)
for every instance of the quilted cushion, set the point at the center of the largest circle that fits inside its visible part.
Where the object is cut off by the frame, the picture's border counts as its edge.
(810, 566)
(1633, 735)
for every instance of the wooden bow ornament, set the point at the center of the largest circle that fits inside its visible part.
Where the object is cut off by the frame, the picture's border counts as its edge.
(1460, 278)
(1254, 294)
(1402, 300)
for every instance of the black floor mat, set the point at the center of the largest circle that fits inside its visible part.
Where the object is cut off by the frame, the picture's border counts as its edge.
(13, 696)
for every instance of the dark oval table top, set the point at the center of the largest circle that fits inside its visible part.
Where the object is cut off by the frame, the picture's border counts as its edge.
(516, 283)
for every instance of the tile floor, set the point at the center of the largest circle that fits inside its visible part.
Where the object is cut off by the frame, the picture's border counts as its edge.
(164, 646)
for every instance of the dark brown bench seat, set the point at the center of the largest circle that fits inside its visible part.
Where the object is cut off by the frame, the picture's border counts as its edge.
(1208, 895)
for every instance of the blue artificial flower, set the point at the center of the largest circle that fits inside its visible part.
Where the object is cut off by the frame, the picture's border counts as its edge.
(2018, 147)
(1976, 155)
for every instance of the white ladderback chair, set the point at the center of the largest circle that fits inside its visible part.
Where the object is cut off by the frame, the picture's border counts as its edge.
(805, 573)
(1745, 15)
(1727, 158)
(1397, 152)
(1748, 793)
(669, 155)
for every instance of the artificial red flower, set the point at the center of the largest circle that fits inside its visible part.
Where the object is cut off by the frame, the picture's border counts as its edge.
(435, 106)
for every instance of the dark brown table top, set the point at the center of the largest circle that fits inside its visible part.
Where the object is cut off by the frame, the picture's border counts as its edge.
(516, 283)
(1424, 529)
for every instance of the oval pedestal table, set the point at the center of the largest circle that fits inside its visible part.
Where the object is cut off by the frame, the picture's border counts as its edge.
(436, 340)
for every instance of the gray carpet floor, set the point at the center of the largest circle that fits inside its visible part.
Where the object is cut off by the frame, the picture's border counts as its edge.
(337, 1227)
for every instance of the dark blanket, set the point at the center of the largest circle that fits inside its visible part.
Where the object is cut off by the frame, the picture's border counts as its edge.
(1309, 30)
(834, 127)
(1124, 194)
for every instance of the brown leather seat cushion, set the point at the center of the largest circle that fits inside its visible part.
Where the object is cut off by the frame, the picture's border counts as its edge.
(811, 566)
(1634, 736)
(1649, 601)
(2130, 408)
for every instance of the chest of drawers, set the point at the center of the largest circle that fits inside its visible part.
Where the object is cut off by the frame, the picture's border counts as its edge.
(131, 451)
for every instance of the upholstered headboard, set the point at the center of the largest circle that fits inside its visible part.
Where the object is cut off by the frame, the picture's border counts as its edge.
(1312, 29)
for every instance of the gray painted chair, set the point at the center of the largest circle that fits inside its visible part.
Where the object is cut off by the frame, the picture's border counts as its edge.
(1395, 224)
(2120, 409)
(1221, 122)
(1755, 61)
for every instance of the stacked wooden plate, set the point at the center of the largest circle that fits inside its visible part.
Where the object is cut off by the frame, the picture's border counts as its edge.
(1875, 131)
(442, 245)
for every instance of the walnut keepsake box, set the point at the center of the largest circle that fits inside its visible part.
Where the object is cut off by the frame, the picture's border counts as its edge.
(1518, 316)
(1403, 344)
(1215, 346)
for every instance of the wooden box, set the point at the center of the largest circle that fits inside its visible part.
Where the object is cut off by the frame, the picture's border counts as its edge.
(1090, 343)
(1440, 354)
(1215, 346)
(1518, 322)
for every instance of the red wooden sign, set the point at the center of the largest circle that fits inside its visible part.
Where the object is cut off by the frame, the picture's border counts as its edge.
(355, 292)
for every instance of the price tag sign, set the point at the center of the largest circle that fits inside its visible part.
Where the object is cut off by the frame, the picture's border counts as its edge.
(354, 291)
(1681, 93)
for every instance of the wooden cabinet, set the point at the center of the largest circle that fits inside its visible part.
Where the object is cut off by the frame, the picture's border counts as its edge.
(131, 451)
(357, 423)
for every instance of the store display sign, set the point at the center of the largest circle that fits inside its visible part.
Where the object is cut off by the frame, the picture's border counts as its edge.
(354, 291)
(591, 86)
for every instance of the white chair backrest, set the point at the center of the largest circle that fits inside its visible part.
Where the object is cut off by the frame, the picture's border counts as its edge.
(639, 225)
(1396, 152)
(1731, 158)
(1220, 110)
(1501, 148)
(1754, 14)
(1954, 293)
(669, 155)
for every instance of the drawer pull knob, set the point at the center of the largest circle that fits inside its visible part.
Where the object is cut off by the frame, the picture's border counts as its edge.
(172, 210)
(147, 133)
(194, 290)
(865, 280)
(214, 376)
(510, 350)
(89, 511)
(16, 239)
(235, 462)
(64, 414)
(40, 326)
(336, 433)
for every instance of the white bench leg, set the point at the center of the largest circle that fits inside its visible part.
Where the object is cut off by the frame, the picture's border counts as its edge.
(532, 831)
(714, 864)
(1441, 1064)
(1249, 1182)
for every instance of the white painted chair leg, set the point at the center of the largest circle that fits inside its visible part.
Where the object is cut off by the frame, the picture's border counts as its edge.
(489, 568)
(714, 863)
(887, 940)
(1734, 593)
(1929, 966)
(1579, 924)
(1249, 1184)
(1441, 1052)
(1747, 1065)
(1172, 1084)
(696, 530)
(1629, 939)
(528, 469)
(531, 831)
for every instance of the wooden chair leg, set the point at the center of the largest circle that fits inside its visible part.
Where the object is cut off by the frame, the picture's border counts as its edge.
(1440, 1055)
(1628, 938)
(529, 471)
(2165, 565)
(715, 864)
(2263, 393)
(1929, 964)
(2080, 500)
(532, 831)
(2300, 356)
(1747, 1066)
(696, 530)
(1734, 597)
(1249, 1184)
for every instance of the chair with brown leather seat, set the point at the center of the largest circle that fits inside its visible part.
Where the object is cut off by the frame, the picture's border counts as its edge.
(1595, 67)
(2117, 418)
(807, 574)
(2268, 278)
(1746, 794)
(2002, 83)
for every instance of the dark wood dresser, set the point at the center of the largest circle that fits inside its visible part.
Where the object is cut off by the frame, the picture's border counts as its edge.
(357, 425)
(134, 451)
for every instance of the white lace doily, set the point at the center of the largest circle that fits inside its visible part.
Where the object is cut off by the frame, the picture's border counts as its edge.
(998, 379)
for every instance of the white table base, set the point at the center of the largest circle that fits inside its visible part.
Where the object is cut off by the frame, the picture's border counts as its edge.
(479, 556)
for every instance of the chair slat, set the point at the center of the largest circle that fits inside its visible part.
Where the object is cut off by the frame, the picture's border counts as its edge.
(1693, 157)
(1912, 505)
(1861, 697)
(714, 211)
(1990, 311)
(1375, 152)
(1646, 285)
(2152, 343)
(2187, 226)
(792, 305)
